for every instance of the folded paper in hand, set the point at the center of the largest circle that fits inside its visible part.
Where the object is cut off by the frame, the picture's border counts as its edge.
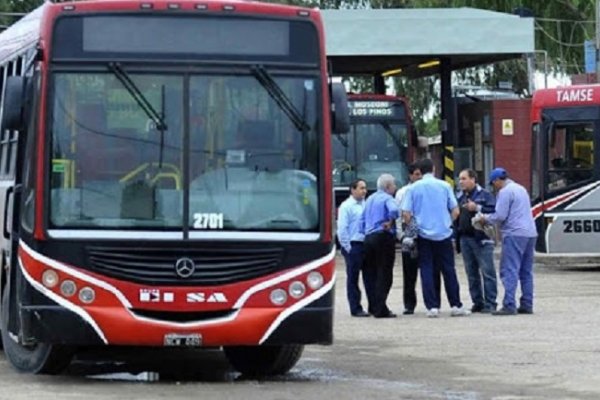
(488, 229)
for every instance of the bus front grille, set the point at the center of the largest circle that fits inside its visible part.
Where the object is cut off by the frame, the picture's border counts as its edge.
(208, 266)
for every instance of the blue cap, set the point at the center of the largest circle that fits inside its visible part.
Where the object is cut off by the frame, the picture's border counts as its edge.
(497, 173)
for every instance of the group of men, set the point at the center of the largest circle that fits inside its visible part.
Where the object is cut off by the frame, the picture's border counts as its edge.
(430, 222)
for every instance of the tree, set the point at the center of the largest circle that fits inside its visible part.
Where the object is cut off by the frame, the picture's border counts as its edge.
(561, 26)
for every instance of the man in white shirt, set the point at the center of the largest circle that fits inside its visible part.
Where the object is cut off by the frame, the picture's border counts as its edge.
(351, 240)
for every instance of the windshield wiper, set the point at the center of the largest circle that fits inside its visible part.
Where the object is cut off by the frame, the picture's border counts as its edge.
(142, 101)
(277, 94)
(388, 130)
(342, 139)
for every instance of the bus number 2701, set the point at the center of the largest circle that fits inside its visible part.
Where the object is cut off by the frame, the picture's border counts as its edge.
(208, 221)
(581, 226)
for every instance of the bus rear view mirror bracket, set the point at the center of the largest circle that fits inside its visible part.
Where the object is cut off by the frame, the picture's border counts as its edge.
(339, 103)
(13, 115)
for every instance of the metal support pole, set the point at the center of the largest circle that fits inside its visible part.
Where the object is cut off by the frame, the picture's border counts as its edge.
(597, 40)
(531, 72)
(448, 118)
(379, 84)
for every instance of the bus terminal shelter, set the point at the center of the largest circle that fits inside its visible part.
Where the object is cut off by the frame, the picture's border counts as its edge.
(421, 42)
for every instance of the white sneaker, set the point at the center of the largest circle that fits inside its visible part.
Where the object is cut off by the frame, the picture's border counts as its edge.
(458, 312)
(433, 313)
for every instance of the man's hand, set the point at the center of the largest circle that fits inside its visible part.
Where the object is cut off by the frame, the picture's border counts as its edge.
(471, 205)
(388, 225)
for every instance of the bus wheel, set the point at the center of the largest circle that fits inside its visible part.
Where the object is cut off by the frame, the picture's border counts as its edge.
(259, 361)
(40, 358)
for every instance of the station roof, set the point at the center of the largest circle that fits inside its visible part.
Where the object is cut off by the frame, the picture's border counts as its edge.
(376, 41)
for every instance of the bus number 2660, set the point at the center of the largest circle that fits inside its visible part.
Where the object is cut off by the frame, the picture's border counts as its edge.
(581, 226)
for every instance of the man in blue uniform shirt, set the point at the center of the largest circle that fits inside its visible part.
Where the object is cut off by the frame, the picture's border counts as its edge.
(513, 214)
(351, 240)
(433, 205)
(379, 227)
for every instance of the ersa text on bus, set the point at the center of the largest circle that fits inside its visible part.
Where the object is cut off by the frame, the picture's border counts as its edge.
(572, 95)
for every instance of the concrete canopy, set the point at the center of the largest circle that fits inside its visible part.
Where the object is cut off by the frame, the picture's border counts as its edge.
(376, 41)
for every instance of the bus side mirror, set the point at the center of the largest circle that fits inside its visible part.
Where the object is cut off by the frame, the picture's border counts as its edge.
(13, 115)
(339, 108)
(414, 138)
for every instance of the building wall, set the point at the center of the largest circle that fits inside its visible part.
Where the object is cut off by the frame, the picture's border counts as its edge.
(513, 152)
(482, 143)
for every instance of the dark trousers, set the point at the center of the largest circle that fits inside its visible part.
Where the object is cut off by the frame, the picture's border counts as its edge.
(354, 265)
(438, 255)
(410, 271)
(380, 252)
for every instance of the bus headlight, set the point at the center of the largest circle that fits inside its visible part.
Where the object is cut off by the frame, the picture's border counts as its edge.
(315, 280)
(87, 295)
(297, 289)
(68, 288)
(278, 297)
(50, 278)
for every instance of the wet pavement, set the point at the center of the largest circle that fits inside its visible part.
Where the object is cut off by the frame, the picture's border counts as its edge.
(553, 354)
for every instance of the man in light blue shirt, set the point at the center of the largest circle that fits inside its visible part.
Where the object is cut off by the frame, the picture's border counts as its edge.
(351, 240)
(433, 205)
(378, 225)
(513, 213)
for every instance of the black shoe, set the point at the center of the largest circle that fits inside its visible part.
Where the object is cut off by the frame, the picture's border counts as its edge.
(408, 312)
(389, 314)
(488, 310)
(476, 308)
(524, 310)
(361, 313)
(504, 311)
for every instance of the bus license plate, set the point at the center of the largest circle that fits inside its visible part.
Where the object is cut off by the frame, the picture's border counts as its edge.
(183, 340)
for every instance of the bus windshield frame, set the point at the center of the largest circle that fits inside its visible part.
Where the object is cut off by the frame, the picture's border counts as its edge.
(269, 182)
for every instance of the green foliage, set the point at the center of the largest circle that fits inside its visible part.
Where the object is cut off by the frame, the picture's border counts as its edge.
(423, 96)
(561, 28)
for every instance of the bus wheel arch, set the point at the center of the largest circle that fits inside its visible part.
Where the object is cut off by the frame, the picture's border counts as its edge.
(258, 361)
(42, 358)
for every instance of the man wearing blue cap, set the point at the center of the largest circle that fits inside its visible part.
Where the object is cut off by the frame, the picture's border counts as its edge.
(513, 214)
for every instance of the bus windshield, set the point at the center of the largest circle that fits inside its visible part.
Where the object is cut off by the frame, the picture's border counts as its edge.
(228, 156)
(369, 150)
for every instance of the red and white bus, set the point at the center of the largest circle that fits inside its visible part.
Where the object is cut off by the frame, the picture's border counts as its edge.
(565, 172)
(380, 140)
(165, 180)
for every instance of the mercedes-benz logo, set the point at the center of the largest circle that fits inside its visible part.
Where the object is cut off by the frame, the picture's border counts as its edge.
(184, 267)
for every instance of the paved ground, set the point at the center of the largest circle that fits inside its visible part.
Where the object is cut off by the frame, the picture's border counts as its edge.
(553, 354)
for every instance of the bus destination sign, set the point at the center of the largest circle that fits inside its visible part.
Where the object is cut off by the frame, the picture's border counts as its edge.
(382, 109)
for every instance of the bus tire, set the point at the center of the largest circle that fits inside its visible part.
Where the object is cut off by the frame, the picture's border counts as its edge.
(41, 358)
(258, 361)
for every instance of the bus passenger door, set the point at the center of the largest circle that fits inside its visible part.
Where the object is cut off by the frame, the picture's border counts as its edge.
(570, 186)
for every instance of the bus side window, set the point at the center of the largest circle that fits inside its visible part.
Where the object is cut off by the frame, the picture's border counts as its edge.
(570, 155)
